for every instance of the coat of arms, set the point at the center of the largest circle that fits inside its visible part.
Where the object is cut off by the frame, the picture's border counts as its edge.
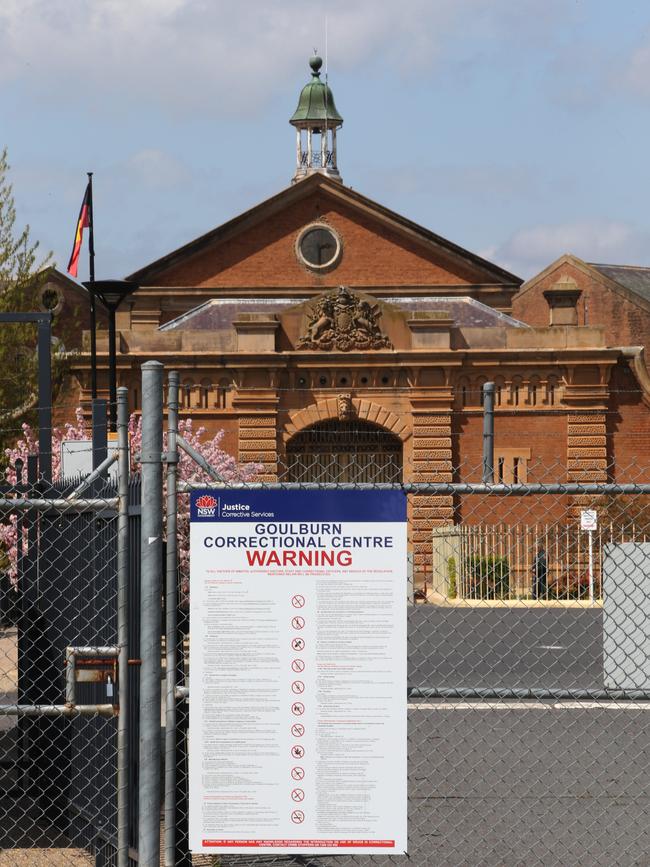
(343, 321)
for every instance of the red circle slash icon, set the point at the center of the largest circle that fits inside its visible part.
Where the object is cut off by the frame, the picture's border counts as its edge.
(297, 730)
(298, 622)
(298, 665)
(298, 687)
(297, 795)
(297, 708)
(297, 773)
(298, 644)
(297, 817)
(297, 751)
(298, 601)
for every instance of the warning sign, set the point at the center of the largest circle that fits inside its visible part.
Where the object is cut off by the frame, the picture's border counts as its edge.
(298, 672)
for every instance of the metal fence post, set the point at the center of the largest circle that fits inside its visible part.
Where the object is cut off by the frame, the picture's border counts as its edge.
(171, 625)
(100, 430)
(122, 622)
(488, 433)
(150, 615)
(45, 396)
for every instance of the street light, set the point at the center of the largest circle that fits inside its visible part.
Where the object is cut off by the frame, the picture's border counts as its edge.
(111, 293)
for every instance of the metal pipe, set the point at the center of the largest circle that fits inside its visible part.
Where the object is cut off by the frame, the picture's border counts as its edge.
(539, 694)
(182, 693)
(150, 619)
(45, 396)
(171, 624)
(96, 474)
(488, 433)
(112, 370)
(198, 458)
(123, 793)
(57, 505)
(70, 665)
(100, 447)
(109, 710)
(520, 490)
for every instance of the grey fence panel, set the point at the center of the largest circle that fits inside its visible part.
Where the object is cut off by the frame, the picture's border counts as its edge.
(519, 753)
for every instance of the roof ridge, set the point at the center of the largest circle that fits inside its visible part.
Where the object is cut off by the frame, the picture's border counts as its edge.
(611, 265)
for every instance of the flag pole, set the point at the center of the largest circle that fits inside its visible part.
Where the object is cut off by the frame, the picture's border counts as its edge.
(91, 269)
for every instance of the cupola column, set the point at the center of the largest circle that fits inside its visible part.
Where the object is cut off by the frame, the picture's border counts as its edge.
(316, 114)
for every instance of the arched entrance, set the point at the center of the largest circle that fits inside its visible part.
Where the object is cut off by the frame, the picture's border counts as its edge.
(344, 451)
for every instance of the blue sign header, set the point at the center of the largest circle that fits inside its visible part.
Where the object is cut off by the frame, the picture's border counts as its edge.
(243, 505)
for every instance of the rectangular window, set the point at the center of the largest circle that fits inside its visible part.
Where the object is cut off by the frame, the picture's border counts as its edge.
(511, 466)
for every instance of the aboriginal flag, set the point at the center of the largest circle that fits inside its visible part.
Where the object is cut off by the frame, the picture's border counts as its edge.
(85, 220)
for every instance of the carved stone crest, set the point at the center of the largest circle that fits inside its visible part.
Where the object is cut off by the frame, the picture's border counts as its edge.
(343, 321)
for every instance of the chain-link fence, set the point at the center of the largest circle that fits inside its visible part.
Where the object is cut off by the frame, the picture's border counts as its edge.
(528, 661)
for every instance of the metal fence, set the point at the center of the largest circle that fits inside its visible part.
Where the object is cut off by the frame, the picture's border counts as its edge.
(527, 702)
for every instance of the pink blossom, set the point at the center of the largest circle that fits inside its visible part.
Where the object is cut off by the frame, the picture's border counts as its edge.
(226, 465)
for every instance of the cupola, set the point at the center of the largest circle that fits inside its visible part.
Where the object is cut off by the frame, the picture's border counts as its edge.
(316, 121)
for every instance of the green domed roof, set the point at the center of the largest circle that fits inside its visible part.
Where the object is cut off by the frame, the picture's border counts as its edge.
(316, 100)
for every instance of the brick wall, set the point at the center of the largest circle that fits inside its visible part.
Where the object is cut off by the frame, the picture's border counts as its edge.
(625, 323)
(373, 254)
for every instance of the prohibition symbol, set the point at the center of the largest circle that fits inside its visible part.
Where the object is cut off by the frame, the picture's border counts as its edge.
(298, 687)
(297, 773)
(298, 601)
(298, 643)
(298, 622)
(297, 795)
(297, 751)
(298, 665)
(298, 817)
(297, 708)
(297, 730)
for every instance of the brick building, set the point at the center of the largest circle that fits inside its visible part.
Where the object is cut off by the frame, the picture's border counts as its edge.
(331, 338)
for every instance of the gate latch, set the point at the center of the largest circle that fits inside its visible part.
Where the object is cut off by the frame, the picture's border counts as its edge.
(89, 665)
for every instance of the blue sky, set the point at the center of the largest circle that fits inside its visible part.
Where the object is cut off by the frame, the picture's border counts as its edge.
(516, 128)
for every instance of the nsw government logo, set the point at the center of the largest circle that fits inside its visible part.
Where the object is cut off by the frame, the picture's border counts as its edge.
(206, 506)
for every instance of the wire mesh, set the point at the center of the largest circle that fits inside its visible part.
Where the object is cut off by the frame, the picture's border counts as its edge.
(57, 767)
(528, 667)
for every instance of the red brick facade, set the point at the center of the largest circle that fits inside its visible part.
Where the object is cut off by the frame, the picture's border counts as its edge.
(571, 402)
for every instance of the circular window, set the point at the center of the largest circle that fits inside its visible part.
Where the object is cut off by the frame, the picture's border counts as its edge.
(318, 247)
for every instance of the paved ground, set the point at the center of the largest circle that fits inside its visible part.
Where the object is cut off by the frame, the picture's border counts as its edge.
(509, 783)
(505, 647)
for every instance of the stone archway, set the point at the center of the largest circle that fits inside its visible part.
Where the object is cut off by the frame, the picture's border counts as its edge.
(351, 450)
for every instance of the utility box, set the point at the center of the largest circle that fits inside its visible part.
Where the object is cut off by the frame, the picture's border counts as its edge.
(626, 615)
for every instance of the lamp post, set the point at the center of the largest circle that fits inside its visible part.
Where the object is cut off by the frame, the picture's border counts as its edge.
(111, 293)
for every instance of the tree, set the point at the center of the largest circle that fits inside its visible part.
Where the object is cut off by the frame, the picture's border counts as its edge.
(21, 278)
(210, 448)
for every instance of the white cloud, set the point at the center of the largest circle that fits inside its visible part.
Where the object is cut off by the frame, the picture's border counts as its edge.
(230, 57)
(530, 250)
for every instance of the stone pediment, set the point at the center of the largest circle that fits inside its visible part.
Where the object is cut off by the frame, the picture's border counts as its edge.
(342, 321)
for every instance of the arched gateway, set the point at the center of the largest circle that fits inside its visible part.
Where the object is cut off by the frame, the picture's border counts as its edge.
(343, 451)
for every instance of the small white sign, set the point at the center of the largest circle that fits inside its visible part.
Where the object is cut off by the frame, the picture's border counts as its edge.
(589, 520)
(77, 459)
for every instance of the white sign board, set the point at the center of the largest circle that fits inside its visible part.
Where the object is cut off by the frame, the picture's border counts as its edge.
(77, 458)
(298, 672)
(589, 519)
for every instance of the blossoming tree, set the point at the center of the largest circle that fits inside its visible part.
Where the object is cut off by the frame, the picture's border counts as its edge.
(227, 467)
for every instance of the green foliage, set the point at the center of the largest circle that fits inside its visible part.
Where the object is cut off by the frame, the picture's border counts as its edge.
(21, 278)
(452, 577)
(490, 577)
